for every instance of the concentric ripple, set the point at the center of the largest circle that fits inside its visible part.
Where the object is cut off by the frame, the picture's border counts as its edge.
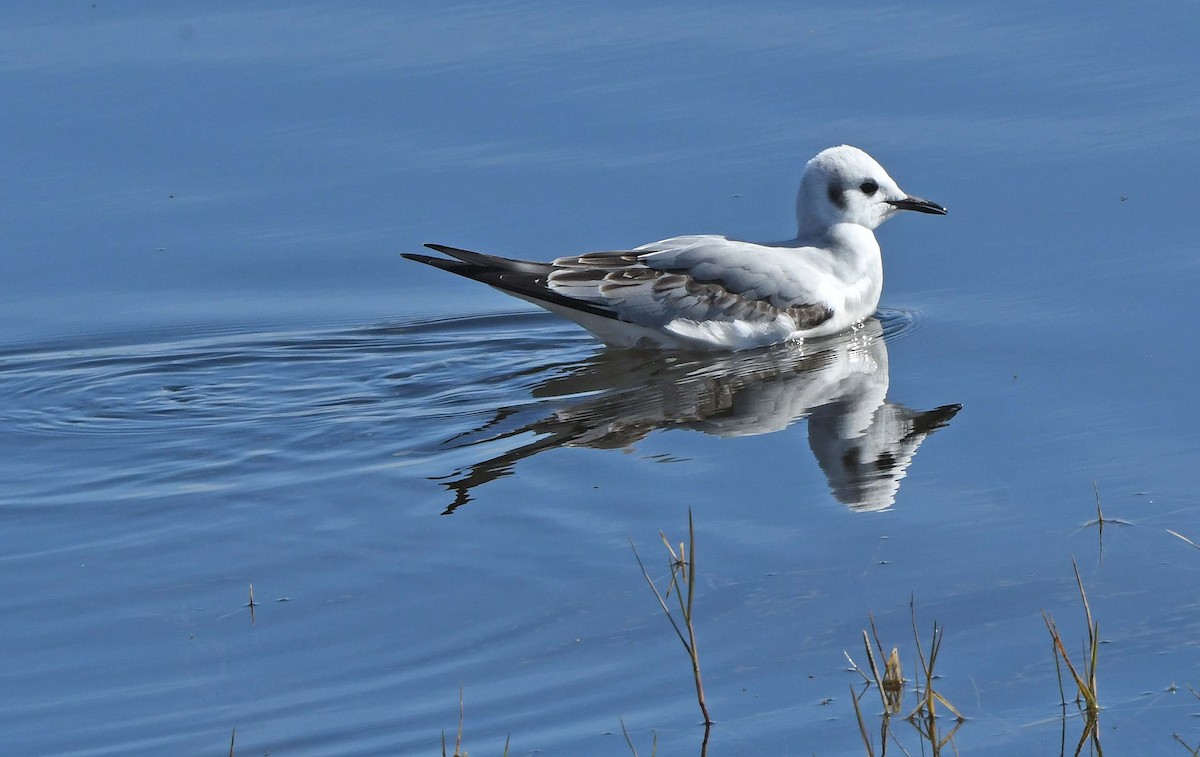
(299, 377)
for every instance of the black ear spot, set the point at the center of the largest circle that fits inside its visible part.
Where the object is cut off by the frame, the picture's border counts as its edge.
(869, 187)
(835, 196)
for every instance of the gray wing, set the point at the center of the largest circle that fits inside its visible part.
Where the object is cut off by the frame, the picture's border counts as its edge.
(709, 287)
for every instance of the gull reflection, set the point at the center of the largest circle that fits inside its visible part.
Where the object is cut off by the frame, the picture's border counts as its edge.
(863, 443)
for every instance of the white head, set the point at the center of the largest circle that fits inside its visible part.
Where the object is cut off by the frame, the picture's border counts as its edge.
(845, 185)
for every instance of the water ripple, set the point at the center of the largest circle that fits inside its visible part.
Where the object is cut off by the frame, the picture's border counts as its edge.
(427, 368)
(300, 376)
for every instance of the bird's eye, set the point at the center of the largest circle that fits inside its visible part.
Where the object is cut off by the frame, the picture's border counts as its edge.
(869, 187)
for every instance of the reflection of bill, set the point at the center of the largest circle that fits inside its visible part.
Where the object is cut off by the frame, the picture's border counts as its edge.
(863, 443)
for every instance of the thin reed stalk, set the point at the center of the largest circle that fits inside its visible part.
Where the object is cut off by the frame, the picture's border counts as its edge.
(252, 604)
(890, 684)
(458, 752)
(927, 727)
(1181, 536)
(632, 748)
(862, 726)
(683, 568)
(1085, 677)
(1193, 750)
(927, 704)
(877, 679)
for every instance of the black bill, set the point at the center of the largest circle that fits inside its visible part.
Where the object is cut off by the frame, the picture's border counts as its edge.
(919, 205)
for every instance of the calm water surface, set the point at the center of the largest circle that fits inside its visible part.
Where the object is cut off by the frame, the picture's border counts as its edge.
(218, 372)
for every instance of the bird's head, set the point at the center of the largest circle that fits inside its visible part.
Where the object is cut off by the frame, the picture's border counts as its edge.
(845, 185)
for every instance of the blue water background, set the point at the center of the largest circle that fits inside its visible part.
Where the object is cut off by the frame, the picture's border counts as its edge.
(217, 371)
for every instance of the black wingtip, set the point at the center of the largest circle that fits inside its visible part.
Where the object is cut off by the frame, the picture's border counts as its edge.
(492, 262)
(467, 256)
(454, 252)
(523, 278)
(453, 266)
(419, 258)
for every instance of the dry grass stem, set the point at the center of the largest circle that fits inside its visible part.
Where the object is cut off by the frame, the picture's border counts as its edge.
(855, 668)
(682, 570)
(1091, 734)
(927, 727)
(893, 676)
(1085, 679)
(927, 705)
(1100, 519)
(875, 672)
(251, 604)
(458, 752)
(1181, 536)
(629, 741)
(890, 684)
(1062, 694)
(1193, 750)
(862, 726)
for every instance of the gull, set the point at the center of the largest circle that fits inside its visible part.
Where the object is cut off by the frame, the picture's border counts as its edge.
(712, 292)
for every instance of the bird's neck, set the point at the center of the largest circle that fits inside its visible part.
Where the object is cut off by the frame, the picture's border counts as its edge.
(858, 264)
(853, 244)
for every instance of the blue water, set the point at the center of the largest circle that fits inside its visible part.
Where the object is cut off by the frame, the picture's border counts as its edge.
(218, 372)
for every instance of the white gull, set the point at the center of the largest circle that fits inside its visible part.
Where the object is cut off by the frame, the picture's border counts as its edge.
(712, 292)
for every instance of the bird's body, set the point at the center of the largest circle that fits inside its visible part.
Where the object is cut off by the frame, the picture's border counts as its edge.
(711, 292)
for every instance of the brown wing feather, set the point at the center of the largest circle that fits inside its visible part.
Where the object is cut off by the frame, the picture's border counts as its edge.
(620, 275)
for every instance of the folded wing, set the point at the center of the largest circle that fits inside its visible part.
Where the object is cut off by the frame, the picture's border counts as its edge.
(708, 289)
(699, 291)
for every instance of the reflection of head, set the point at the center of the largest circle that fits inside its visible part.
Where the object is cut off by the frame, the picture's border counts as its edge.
(864, 468)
